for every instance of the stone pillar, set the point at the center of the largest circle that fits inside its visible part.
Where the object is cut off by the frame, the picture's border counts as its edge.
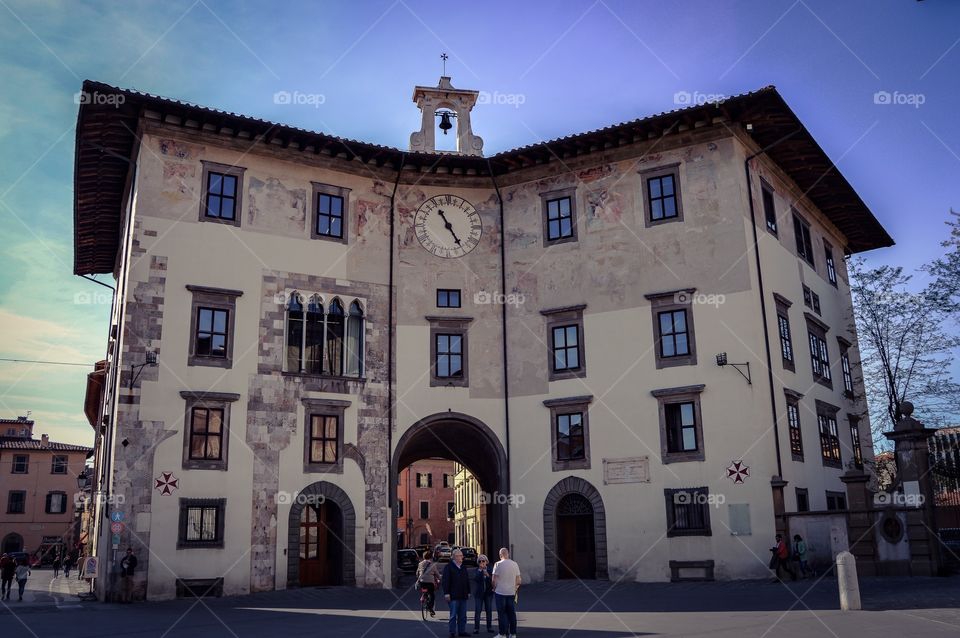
(861, 521)
(910, 439)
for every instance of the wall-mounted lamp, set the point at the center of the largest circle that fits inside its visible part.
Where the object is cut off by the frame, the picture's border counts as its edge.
(150, 359)
(722, 361)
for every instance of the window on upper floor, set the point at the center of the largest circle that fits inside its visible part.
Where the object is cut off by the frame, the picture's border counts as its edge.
(323, 434)
(223, 188)
(58, 464)
(855, 440)
(803, 500)
(570, 432)
(811, 299)
(449, 349)
(324, 341)
(662, 195)
(793, 424)
(819, 355)
(56, 503)
(836, 501)
(801, 231)
(565, 342)
(399, 508)
(829, 435)
(769, 209)
(831, 265)
(21, 464)
(451, 510)
(330, 212)
(845, 367)
(424, 509)
(424, 479)
(447, 481)
(783, 329)
(201, 522)
(212, 326)
(681, 428)
(16, 502)
(448, 298)
(688, 512)
(560, 220)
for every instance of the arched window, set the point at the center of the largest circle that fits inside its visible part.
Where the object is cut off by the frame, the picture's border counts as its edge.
(354, 342)
(313, 339)
(333, 359)
(294, 332)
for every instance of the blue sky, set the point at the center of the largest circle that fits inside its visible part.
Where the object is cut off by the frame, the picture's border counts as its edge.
(553, 68)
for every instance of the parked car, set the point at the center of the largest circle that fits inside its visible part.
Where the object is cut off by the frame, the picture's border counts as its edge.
(442, 551)
(407, 560)
(469, 556)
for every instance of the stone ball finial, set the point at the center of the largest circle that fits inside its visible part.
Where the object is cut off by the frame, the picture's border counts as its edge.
(906, 408)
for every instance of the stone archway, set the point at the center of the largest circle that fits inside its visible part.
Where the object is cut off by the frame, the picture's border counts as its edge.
(12, 542)
(332, 493)
(573, 485)
(471, 443)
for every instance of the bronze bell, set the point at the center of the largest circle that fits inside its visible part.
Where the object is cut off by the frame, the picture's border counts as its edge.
(445, 124)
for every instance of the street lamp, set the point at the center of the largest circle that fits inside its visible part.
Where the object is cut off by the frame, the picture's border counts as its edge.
(83, 480)
(150, 359)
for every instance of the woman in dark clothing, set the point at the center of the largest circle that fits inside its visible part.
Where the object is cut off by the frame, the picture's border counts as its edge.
(483, 594)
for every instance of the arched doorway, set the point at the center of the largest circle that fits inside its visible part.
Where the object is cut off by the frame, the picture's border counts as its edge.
(321, 537)
(576, 547)
(470, 442)
(574, 531)
(12, 542)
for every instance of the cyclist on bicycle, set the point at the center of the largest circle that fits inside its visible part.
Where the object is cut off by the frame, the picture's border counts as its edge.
(428, 579)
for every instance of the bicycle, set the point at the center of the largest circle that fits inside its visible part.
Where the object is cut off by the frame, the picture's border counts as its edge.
(426, 601)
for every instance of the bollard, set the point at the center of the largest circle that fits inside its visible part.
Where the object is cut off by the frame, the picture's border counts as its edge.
(847, 581)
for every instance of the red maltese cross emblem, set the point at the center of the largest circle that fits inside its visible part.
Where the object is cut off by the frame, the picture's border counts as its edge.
(166, 483)
(738, 472)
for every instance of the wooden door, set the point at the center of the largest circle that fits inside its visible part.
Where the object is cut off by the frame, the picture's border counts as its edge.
(321, 551)
(576, 550)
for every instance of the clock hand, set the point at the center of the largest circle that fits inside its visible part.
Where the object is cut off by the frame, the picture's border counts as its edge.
(449, 226)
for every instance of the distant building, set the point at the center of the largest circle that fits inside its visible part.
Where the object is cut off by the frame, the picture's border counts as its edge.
(470, 512)
(38, 480)
(425, 503)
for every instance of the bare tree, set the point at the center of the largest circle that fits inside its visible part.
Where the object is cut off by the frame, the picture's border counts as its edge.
(905, 348)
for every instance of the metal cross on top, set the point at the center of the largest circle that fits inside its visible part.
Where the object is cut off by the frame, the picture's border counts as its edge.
(444, 57)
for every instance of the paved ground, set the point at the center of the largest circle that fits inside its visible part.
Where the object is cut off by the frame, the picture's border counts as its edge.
(905, 608)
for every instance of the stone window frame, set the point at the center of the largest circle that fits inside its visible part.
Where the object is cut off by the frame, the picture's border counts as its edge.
(782, 305)
(670, 500)
(48, 502)
(802, 491)
(669, 301)
(846, 370)
(450, 326)
(64, 464)
(856, 441)
(681, 394)
(793, 400)
(305, 298)
(225, 169)
(185, 505)
(767, 190)
(570, 405)
(549, 196)
(803, 241)
(838, 498)
(831, 268)
(831, 441)
(216, 299)
(818, 329)
(23, 502)
(323, 407)
(26, 464)
(343, 192)
(656, 172)
(565, 316)
(214, 400)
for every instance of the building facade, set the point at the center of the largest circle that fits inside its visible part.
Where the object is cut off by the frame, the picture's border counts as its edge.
(38, 482)
(639, 340)
(470, 511)
(425, 498)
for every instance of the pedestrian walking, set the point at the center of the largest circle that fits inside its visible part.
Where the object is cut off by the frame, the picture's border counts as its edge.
(127, 566)
(800, 555)
(456, 591)
(56, 565)
(506, 582)
(781, 560)
(483, 594)
(8, 567)
(67, 564)
(22, 573)
(428, 578)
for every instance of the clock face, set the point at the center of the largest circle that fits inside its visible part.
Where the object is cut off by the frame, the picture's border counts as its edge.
(448, 226)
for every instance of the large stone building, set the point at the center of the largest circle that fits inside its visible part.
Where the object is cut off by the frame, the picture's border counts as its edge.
(470, 511)
(324, 312)
(425, 504)
(38, 485)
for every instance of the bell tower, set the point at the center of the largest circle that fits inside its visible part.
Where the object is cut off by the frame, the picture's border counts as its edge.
(452, 106)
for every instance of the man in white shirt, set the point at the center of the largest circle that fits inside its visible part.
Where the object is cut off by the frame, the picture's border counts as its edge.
(506, 581)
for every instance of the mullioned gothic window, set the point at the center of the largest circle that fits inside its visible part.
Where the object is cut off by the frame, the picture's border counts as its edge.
(324, 340)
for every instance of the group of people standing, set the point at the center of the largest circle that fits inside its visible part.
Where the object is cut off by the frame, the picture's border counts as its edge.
(65, 561)
(785, 555)
(11, 568)
(490, 586)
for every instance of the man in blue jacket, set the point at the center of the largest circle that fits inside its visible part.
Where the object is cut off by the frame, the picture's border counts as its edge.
(456, 590)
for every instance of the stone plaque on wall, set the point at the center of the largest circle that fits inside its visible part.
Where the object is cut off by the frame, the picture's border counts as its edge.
(632, 470)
